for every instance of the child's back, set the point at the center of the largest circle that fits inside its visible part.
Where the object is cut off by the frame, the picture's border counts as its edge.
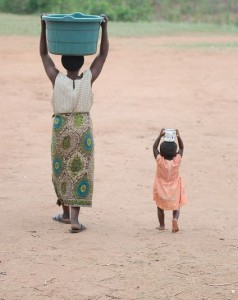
(168, 170)
(168, 188)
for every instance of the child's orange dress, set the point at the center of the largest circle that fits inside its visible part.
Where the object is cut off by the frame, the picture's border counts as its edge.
(168, 188)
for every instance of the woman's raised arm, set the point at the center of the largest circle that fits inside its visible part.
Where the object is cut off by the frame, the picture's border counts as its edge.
(97, 64)
(48, 63)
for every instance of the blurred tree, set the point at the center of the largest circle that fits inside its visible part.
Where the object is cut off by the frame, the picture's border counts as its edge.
(219, 11)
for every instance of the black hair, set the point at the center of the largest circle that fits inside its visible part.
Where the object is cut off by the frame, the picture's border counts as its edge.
(72, 63)
(168, 150)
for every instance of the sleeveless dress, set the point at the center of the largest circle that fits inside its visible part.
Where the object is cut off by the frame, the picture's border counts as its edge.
(168, 191)
(72, 144)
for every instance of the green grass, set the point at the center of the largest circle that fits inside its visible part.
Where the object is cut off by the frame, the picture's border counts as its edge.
(30, 26)
(168, 28)
(202, 45)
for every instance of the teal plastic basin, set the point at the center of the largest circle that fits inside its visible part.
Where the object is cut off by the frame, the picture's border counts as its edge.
(72, 34)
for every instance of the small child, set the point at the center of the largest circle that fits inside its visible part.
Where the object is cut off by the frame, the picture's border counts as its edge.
(168, 188)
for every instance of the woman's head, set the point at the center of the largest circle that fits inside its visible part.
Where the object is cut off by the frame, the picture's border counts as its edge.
(168, 150)
(72, 63)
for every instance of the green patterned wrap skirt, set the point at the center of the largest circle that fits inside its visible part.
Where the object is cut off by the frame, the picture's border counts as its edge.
(72, 151)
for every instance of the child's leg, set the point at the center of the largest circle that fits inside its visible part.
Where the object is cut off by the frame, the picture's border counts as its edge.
(176, 214)
(175, 227)
(160, 214)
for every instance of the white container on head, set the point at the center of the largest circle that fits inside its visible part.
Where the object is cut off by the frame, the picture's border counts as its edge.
(169, 135)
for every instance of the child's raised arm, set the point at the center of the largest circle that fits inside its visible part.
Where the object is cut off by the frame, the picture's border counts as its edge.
(156, 143)
(180, 143)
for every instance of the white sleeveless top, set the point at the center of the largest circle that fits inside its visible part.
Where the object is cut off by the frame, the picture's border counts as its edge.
(71, 96)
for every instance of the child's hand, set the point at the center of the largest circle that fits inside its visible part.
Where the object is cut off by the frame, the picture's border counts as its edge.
(162, 132)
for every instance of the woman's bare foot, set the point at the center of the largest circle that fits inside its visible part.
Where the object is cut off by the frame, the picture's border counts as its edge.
(175, 227)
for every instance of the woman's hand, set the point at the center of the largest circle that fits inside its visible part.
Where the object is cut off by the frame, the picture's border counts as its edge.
(43, 21)
(104, 21)
(43, 14)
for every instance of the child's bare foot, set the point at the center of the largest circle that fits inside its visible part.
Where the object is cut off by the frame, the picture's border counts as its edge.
(175, 227)
(161, 227)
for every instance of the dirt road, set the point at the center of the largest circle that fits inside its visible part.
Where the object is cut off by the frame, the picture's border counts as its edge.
(147, 83)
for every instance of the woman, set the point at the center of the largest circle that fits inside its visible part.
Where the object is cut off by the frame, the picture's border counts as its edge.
(72, 139)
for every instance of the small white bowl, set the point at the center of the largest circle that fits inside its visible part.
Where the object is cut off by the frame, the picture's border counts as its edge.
(170, 135)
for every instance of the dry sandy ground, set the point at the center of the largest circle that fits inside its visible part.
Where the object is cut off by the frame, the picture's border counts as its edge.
(145, 85)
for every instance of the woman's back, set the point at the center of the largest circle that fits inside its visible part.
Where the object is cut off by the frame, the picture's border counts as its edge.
(72, 95)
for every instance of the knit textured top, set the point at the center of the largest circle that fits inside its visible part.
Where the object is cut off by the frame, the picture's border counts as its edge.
(71, 96)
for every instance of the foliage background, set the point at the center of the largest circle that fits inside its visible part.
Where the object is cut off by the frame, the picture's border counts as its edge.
(210, 11)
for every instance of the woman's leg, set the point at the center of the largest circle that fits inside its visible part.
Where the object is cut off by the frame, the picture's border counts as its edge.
(175, 227)
(75, 215)
(64, 217)
(75, 225)
(66, 213)
(160, 214)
